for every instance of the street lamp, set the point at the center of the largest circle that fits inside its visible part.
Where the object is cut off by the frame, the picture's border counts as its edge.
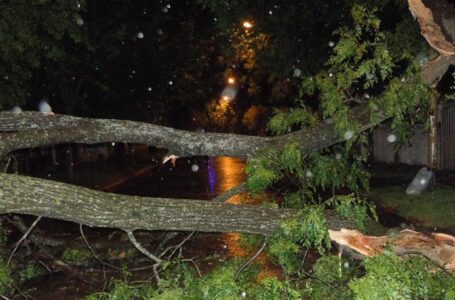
(247, 24)
(231, 80)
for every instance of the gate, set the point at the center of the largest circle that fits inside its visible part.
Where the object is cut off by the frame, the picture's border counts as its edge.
(447, 135)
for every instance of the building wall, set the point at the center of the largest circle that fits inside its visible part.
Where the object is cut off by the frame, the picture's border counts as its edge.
(416, 153)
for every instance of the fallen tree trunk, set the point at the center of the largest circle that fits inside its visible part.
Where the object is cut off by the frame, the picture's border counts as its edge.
(437, 247)
(27, 195)
(33, 129)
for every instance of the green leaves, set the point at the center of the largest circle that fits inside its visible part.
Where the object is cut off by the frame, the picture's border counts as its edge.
(353, 208)
(307, 230)
(391, 277)
(284, 122)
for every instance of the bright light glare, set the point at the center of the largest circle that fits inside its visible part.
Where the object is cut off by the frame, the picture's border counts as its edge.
(231, 80)
(226, 98)
(247, 24)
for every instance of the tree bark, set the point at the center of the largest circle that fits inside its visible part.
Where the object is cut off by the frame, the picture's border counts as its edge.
(39, 197)
(33, 129)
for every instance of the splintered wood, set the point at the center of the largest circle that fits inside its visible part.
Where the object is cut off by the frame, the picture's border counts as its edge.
(438, 247)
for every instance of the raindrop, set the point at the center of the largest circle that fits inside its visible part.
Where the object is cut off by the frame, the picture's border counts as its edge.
(346, 265)
(366, 96)
(423, 181)
(331, 44)
(270, 12)
(140, 35)
(391, 138)
(338, 156)
(79, 21)
(159, 31)
(170, 82)
(330, 74)
(194, 168)
(297, 72)
(309, 173)
(243, 294)
(6, 77)
(149, 89)
(113, 143)
(348, 134)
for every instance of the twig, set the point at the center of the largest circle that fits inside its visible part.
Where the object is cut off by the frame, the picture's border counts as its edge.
(23, 238)
(176, 246)
(319, 279)
(229, 193)
(144, 251)
(81, 229)
(7, 164)
(248, 262)
(194, 263)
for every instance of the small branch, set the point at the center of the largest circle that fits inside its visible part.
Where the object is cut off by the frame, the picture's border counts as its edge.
(248, 262)
(23, 238)
(179, 245)
(141, 248)
(230, 193)
(93, 251)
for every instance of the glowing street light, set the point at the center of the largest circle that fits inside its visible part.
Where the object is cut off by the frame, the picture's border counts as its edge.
(247, 24)
(231, 80)
(226, 98)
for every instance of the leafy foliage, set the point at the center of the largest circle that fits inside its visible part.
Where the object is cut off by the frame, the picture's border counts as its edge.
(283, 122)
(390, 277)
(331, 273)
(307, 230)
(351, 207)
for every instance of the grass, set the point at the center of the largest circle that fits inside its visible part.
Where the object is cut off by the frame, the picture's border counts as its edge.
(430, 209)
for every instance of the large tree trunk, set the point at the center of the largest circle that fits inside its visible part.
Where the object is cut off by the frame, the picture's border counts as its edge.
(27, 195)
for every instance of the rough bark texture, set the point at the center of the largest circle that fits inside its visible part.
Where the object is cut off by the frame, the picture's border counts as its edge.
(438, 247)
(27, 195)
(32, 129)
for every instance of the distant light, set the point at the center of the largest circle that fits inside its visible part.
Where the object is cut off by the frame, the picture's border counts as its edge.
(226, 98)
(247, 24)
(231, 80)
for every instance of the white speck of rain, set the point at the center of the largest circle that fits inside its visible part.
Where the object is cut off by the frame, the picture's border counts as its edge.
(194, 168)
(330, 75)
(140, 35)
(170, 82)
(338, 156)
(297, 72)
(149, 89)
(391, 138)
(348, 134)
(331, 44)
(309, 173)
(422, 181)
(79, 21)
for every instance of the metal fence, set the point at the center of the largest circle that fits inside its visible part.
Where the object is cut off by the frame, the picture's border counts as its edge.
(447, 135)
